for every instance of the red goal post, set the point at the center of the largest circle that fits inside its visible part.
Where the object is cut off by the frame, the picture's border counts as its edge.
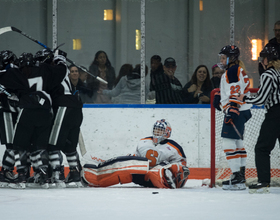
(219, 167)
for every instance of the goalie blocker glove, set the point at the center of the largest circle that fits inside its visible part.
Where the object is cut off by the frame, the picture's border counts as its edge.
(232, 114)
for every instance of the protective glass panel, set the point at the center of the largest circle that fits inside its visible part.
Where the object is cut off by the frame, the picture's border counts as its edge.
(191, 32)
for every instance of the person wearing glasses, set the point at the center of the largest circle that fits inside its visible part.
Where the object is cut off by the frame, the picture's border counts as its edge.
(274, 42)
(216, 76)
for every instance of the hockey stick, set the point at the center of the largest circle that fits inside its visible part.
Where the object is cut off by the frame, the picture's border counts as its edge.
(236, 130)
(233, 125)
(7, 29)
(82, 144)
(2, 89)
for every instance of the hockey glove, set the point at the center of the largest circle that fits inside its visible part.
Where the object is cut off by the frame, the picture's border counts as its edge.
(231, 115)
(59, 56)
(216, 101)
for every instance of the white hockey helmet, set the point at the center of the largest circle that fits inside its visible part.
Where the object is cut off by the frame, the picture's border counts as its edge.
(161, 131)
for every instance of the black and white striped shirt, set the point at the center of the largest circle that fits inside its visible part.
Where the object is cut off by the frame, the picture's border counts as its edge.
(269, 91)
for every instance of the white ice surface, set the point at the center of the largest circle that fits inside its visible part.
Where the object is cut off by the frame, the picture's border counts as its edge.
(131, 202)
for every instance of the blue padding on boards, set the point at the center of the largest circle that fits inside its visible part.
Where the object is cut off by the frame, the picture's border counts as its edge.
(154, 106)
(146, 106)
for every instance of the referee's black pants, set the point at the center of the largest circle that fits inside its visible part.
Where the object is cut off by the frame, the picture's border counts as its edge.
(270, 131)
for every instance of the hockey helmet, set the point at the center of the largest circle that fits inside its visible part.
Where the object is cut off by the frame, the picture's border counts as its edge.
(25, 59)
(6, 57)
(161, 131)
(270, 53)
(44, 56)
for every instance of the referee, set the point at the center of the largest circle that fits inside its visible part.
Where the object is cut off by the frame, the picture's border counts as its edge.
(268, 95)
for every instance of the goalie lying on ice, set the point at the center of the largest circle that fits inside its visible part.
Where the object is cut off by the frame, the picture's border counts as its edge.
(158, 162)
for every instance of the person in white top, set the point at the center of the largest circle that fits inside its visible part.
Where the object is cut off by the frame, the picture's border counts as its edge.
(234, 82)
(158, 162)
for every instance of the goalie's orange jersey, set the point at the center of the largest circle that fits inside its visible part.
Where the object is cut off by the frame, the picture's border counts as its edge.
(168, 150)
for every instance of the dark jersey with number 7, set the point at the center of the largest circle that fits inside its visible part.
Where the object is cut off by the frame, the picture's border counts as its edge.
(34, 84)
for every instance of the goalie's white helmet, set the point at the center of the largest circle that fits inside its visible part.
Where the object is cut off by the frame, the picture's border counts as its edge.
(161, 131)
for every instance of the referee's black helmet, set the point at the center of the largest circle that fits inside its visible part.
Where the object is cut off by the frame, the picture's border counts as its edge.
(270, 53)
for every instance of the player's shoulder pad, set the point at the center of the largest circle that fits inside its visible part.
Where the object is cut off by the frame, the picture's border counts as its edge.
(147, 138)
(232, 74)
(121, 159)
(175, 145)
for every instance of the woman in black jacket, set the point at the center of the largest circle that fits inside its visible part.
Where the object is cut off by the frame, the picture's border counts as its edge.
(198, 89)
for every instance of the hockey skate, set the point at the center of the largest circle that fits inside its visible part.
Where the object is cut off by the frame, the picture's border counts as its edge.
(20, 182)
(44, 180)
(242, 173)
(259, 188)
(6, 177)
(73, 179)
(236, 182)
(58, 178)
(33, 181)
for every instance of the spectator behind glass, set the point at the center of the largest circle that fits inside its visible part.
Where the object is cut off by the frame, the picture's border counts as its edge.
(156, 69)
(101, 66)
(217, 74)
(83, 76)
(198, 89)
(167, 87)
(274, 42)
(128, 89)
(85, 94)
(124, 70)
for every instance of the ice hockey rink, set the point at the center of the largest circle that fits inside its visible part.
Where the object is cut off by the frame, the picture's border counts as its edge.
(131, 202)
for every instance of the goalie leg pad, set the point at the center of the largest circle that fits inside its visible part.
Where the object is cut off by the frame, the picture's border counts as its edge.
(114, 171)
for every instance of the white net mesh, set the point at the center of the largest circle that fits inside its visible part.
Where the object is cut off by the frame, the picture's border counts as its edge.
(252, 128)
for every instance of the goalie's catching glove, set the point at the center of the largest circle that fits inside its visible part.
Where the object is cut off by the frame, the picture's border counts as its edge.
(231, 114)
(216, 101)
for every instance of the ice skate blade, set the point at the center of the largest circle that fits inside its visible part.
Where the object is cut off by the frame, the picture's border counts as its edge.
(239, 186)
(45, 186)
(17, 185)
(4, 185)
(33, 185)
(264, 190)
(74, 185)
(57, 185)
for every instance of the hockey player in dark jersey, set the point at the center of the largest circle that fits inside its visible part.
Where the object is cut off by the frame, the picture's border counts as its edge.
(32, 129)
(8, 114)
(64, 136)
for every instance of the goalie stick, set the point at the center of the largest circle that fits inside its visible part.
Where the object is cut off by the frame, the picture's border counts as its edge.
(8, 29)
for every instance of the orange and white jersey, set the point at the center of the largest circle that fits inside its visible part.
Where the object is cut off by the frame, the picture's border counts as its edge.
(234, 82)
(168, 150)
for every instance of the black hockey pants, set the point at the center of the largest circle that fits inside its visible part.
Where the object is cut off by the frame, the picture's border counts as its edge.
(270, 131)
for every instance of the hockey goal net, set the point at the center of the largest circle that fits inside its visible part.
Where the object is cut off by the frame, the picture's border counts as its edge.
(220, 170)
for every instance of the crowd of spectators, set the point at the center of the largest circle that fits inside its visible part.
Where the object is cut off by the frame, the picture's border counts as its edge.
(125, 88)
